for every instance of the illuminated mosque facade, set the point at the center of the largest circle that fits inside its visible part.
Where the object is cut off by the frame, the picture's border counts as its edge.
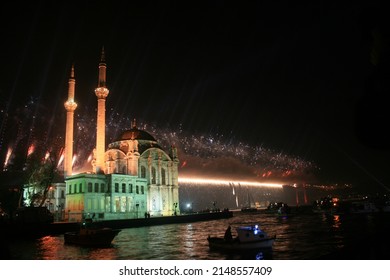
(132, 178)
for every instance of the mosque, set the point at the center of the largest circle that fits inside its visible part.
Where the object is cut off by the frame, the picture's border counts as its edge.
(132, 178)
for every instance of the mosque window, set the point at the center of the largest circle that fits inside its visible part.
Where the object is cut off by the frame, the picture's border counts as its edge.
(80, 188)
(130, 188)
(143, 172)
(123, 188)
(116, 187)
(89, 204)
(163, 176)
(102, 187)
(136, 189)
(89, 187)
(96, 188)
(153, 175)
(142, 190)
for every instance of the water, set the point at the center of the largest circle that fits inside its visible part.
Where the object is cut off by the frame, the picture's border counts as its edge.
(299, 237)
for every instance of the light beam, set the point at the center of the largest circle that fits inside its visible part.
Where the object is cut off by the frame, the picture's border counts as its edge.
(204, 181)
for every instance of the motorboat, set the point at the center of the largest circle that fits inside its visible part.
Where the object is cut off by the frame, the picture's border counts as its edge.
(279, 208)
(90, 234)
(326, 205)
(249, 237)
(385, 207)
(363, 206)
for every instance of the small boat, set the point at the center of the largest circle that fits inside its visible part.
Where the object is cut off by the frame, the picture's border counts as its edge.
(249, 206)
(385, 206)
(363, 206)
(279, 208)
(326, 205)
(248, 238)
(92, 235)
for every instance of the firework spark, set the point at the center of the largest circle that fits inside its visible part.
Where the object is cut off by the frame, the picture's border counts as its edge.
(212, 156)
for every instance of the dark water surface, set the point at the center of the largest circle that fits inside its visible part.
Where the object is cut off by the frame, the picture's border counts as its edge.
(299, 237)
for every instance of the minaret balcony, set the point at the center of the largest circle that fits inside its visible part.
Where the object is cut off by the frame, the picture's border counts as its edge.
(70, 105)
(101, 92)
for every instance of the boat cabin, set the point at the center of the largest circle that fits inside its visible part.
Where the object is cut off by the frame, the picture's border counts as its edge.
(250, 233)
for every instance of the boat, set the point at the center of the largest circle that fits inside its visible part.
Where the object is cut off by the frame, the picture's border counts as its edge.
(281, 209)
(33, 216)
(90, 234)
(26, 222)
(249, 237)
(326, 205)
(385, 206)
(249, 206)
(363, 206)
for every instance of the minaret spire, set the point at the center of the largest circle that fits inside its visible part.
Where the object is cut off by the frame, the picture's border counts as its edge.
(102, 70)
(70, 106)
(101, 93)
(102, 56)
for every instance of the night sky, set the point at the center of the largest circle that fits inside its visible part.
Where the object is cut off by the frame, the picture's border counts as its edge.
(308, 79)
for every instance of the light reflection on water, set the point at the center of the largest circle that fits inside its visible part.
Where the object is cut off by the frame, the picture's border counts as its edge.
(300, 236)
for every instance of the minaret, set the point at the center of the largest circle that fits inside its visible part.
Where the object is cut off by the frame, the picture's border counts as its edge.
(101, 93)
(70, 106)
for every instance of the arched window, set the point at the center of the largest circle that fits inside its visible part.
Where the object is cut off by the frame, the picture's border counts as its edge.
(130, 188)
(153, 175)
(102, 187)
(96, 188)
(142, 190)
(136, 189)
(89, 187)
(163, 177)
(116, 187)
(143, 172)
(123, 188)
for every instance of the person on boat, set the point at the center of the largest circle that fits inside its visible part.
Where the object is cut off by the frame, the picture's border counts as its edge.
(228, 234)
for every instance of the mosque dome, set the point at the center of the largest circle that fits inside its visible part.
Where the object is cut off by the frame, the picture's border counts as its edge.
(144, 140)
(136, 134)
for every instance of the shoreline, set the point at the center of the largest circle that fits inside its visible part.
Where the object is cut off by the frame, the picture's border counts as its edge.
(36, 230)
